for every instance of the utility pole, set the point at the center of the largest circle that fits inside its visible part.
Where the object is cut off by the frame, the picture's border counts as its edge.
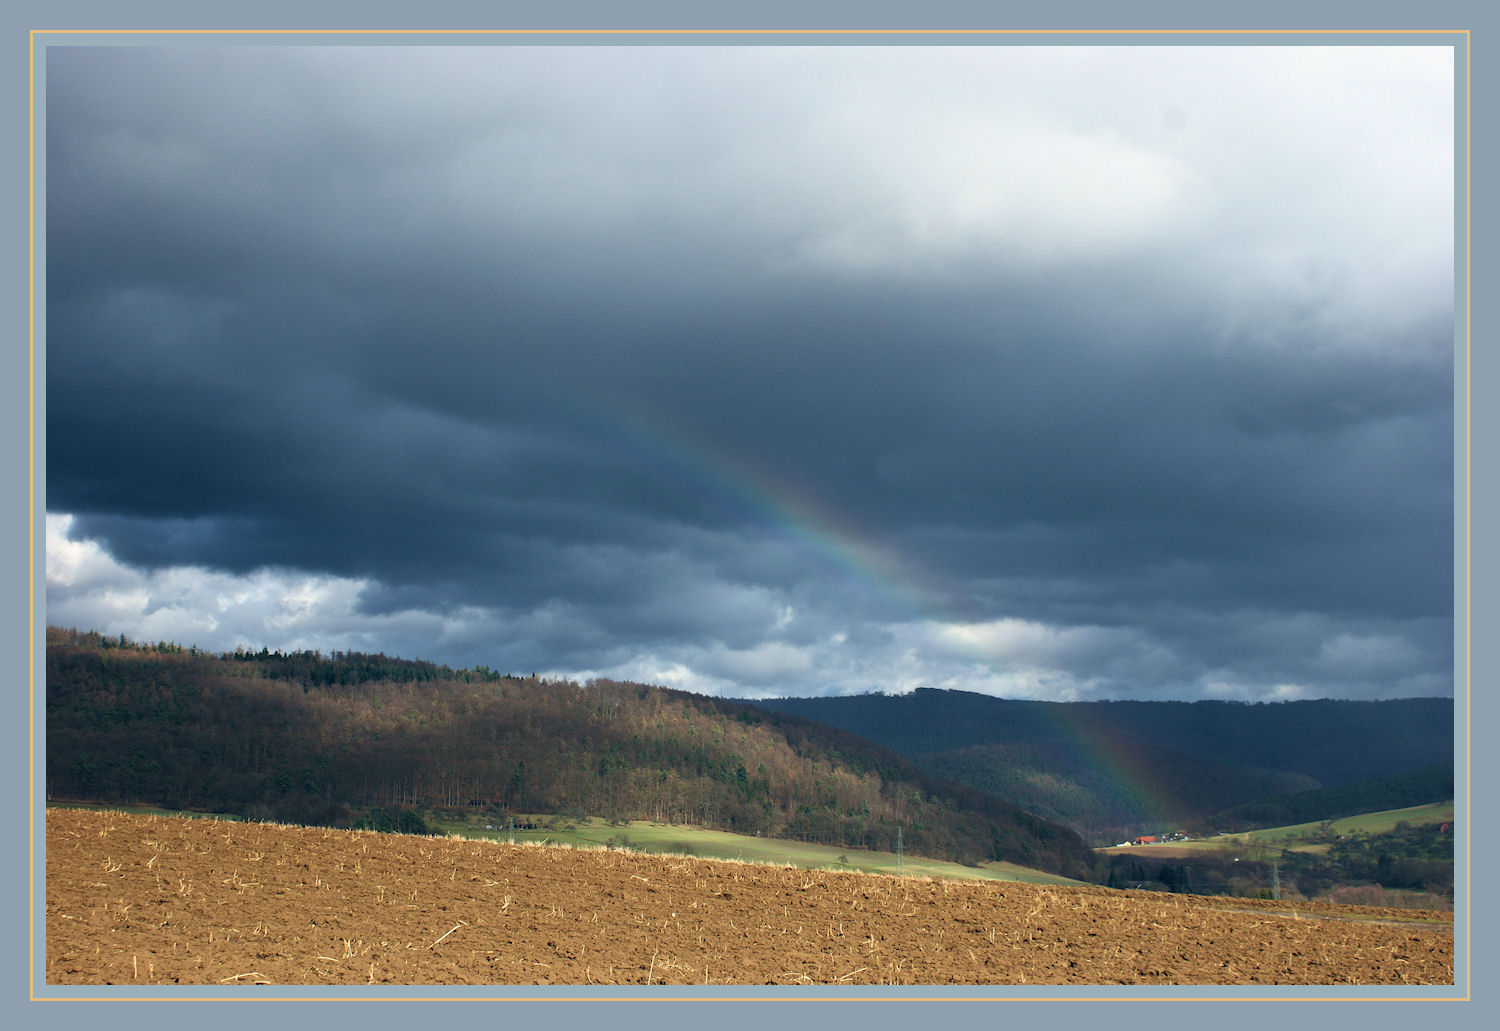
(1275, 880)
(898, 850)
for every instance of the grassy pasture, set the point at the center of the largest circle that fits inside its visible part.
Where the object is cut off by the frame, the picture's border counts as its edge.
(668, 839)
(643, 836)
(1364, 823)
(1301, 837)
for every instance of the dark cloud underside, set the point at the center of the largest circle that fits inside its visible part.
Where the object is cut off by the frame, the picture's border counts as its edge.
(727, 358)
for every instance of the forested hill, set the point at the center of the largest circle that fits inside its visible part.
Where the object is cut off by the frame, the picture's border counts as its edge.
(1108, 766)
(311, 738)
(1416, 787)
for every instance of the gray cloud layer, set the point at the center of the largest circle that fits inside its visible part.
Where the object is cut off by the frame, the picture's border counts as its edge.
(769, 369)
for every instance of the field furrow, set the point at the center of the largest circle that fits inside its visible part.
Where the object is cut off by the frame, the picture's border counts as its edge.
(159, 900)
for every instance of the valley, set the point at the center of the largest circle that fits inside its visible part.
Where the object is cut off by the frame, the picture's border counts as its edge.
(352, 741)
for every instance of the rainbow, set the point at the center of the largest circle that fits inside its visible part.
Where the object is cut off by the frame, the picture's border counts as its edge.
(792, 513)
(786, 511)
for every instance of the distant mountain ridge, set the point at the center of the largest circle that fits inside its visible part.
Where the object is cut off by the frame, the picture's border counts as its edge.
(1107, 767)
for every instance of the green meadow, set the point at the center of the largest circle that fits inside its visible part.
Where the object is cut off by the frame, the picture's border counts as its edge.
(1306, 837)
(666, 839)
(1311, 834)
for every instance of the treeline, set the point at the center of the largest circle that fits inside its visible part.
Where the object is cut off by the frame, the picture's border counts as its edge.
(317, 739)
(307, 667)
(1418, 787)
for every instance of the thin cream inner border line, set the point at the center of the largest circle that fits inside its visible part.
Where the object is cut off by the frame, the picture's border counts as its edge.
(757, 32)
(1468, 515)
(1468, 443)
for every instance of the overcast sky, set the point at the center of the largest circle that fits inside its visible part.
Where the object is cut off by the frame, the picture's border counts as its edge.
(1049, 373)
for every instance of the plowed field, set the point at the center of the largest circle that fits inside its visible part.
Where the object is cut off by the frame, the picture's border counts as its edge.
(144, 899)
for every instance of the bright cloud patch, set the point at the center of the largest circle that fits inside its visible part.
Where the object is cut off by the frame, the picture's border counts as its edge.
(776, 655)
(88, 588)
(1056, 372)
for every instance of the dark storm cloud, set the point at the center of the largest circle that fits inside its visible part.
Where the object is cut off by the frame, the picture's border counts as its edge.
(645, 354)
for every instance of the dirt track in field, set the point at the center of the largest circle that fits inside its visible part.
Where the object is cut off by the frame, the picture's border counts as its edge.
(142, 899)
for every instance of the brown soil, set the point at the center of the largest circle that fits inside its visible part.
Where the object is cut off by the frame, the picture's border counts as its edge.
(143, 899)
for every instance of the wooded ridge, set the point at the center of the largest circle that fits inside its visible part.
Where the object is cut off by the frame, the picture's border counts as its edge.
(1111, 769)
(319, 739)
